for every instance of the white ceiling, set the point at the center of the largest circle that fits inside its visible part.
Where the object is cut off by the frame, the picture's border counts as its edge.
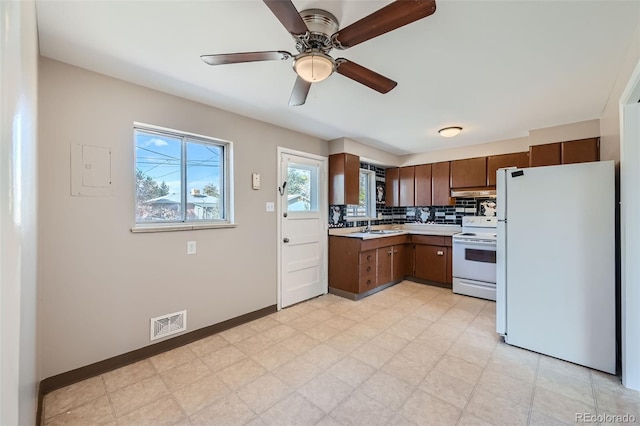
(496, 68)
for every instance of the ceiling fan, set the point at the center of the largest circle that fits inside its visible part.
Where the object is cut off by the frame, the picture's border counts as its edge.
(316, 33)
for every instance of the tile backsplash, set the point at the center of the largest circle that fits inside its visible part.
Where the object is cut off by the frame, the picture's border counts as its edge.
(420, 214)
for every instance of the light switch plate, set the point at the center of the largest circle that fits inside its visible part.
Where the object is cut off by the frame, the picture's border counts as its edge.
(270, 206)
(255, 180)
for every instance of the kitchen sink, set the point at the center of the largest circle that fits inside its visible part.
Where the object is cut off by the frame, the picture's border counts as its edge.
(385, 231)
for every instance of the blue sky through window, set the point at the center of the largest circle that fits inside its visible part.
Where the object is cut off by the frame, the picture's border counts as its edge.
(159, 156)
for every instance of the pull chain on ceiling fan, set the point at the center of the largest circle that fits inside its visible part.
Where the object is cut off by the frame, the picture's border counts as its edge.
(316, 33)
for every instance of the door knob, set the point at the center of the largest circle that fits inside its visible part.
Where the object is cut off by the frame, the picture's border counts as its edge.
(285, 240)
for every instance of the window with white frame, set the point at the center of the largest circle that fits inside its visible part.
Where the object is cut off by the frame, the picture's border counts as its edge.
(181, 177)
(366, 208)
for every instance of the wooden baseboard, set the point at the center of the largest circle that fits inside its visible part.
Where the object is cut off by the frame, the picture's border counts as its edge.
(70, 377)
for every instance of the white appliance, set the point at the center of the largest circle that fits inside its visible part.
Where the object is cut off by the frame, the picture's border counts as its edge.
(474, 257)
(556, 262)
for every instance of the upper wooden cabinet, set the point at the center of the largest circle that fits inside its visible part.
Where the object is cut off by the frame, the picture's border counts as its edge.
(580, 151)
(495, 162)
(468, 173)
(544, 155)
(344, 179)
(423, 185)
(406, 194)
(392, 187)
(552, 154)
(440, 189)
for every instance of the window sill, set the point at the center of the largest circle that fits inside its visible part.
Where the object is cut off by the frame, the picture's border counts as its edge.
(170, 227)
(359, 218)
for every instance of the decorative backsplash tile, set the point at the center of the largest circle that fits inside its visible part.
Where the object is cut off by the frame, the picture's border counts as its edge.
(337, 216)
(419, 214)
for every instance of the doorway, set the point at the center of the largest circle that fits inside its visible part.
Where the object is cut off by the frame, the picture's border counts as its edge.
(302, 227)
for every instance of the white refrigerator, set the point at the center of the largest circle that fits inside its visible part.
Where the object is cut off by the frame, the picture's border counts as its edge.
(555, 289)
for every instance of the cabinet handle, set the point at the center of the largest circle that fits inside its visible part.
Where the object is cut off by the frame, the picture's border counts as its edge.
(368, 282)
(389, 252)
(369, 257)
(440, 253)
(395, 251)
(368, 268)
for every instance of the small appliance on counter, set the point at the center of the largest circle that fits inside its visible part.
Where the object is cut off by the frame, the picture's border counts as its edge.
(474, 257)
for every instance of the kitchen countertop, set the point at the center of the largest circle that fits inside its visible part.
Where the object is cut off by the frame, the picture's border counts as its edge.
(406, 229)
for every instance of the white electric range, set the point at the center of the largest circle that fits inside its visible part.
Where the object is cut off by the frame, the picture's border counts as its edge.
(474, 257)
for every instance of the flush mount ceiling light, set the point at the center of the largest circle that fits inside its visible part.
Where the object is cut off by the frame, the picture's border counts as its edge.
(313, 67)
(449, 132)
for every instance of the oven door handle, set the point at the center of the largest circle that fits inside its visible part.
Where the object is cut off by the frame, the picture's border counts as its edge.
(474, 242)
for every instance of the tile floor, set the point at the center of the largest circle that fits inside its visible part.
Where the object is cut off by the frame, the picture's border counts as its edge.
(409, 355)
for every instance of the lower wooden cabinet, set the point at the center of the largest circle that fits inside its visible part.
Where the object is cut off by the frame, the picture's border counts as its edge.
(358, 266)
(431, 263)
(384, 265)
(367, 271)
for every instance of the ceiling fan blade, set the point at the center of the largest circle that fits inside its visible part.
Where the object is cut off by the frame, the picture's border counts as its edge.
(364, 76)
(288, 15)
(299, 92)
(391, 17)
(235, 58)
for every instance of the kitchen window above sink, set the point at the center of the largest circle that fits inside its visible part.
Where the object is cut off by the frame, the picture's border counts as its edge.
(366, 209)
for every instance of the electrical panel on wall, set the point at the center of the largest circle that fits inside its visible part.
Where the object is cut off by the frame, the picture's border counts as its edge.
(91, 171)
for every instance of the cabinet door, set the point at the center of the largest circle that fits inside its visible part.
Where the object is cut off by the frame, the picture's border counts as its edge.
(469, 173)
(423, 185)
(580, 151)
(495, 162)
(440, 190)
(408, 255)
(344, 179)
(544, 155)
(398, 267)
(384, 265)
(431, 263)
(407, 186)
(392, 187)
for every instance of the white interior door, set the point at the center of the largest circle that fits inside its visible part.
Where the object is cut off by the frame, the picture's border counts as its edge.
(303, 225)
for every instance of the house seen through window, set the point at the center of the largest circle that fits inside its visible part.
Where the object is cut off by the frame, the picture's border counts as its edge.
(366, 208)
(180, 177)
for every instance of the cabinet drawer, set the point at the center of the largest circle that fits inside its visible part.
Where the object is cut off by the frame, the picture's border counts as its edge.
(367, 283)
(434, 240)
(367, 269)
(368, 256)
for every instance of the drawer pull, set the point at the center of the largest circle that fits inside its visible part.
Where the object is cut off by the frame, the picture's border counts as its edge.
(440, 253)
(395, 251)
(389, 252)
(368, 282)
(368, 268)
(369, 257)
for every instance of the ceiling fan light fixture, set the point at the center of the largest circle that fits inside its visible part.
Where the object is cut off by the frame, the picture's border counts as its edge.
(313, 67)
(449, 132)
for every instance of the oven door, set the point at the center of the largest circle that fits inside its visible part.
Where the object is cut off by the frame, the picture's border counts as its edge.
(474, 259)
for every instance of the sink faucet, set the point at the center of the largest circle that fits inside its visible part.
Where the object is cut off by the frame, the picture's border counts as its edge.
(368, 227)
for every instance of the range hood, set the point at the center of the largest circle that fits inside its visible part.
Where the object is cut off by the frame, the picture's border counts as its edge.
(489, 191)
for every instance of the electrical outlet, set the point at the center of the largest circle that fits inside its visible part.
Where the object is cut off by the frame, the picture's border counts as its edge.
(270, 206)
(191, 247)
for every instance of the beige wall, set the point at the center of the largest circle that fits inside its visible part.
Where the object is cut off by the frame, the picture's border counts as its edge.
(610, 120)
(581, 130)
(100, 284)
(366, 153)
(19, 373)
(566, 132)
